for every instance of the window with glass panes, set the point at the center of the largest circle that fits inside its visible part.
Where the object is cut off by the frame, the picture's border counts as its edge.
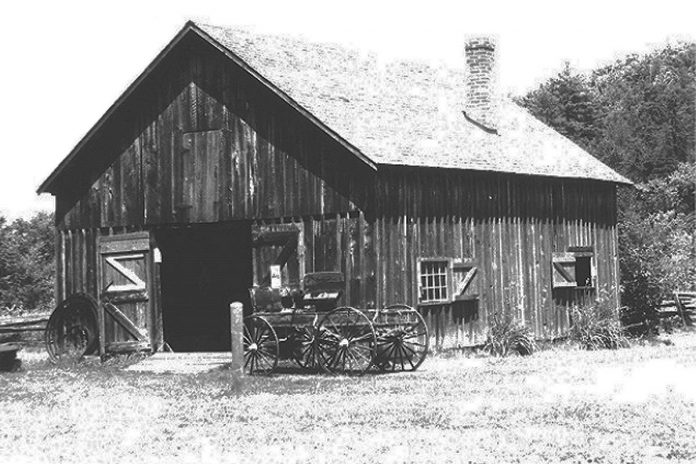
(433, 281)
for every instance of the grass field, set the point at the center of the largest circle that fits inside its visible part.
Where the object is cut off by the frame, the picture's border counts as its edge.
(560, 405)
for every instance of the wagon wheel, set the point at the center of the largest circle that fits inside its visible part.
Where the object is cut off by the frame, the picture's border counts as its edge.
(402, 339)
(72, 330)
(347, 342)
(307, 346)
(260, 346)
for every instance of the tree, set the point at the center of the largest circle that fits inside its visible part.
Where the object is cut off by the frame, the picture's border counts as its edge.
(565, 102)
(636, 114)
(646, 111)
(27, 269)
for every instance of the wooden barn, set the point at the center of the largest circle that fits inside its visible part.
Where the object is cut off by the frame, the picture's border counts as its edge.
(234, 151)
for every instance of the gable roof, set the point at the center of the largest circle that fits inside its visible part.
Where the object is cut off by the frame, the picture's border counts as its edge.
(396, 113)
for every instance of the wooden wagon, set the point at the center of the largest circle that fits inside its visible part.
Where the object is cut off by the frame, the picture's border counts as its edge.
(310, 328)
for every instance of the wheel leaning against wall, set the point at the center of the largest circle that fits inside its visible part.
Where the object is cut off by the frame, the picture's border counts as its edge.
(72, 330)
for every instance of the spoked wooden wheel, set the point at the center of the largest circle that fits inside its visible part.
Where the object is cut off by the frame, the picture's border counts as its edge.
(307, 345)
(72, 330)
(402, 338)
(260, 346)
(347, 342)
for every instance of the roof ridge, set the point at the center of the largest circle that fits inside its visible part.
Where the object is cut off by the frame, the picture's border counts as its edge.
(363, 51)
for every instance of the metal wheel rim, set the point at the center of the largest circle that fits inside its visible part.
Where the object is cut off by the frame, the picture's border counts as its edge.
(401, 306)
(261, 349)
(67, 336)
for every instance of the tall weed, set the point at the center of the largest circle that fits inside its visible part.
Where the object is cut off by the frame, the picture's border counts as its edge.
(508, 336)
(595, 325)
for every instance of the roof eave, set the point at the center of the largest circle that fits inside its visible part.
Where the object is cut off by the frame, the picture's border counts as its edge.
(621, 180)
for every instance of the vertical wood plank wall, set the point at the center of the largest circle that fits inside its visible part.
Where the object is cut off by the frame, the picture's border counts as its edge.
(510, 225)
(204, 143)
(338, 242)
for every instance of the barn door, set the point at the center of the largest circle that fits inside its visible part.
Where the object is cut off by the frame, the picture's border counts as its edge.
(125, 312)
(278, 247)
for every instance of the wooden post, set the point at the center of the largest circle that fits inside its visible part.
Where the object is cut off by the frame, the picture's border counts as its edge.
(237, 330)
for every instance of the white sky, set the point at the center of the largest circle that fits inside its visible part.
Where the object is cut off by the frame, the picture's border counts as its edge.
(64, 62)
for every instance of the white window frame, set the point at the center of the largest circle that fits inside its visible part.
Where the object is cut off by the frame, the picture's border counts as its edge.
(447, 286)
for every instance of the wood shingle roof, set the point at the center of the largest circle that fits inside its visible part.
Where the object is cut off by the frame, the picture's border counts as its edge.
(406, 113)
(385, 113)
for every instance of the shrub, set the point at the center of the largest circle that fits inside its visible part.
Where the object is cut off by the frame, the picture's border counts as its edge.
(595, 326)
(657, 247)
(507, 336)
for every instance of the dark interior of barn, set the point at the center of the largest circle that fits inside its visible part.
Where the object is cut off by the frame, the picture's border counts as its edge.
(204, 268)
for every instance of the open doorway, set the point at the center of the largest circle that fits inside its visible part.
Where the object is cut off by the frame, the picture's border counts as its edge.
(204, 268)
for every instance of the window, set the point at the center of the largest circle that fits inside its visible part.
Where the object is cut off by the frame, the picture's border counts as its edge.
(434, 280)
(583, 271)
(574, 268)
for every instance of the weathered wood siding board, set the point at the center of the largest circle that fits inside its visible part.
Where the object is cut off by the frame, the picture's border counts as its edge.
(510, 225)
(206, 142)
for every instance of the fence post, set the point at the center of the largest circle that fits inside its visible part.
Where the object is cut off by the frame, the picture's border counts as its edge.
(237, 330)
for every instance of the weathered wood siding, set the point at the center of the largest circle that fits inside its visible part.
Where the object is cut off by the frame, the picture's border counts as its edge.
(202, 141)
(509, 225)
(338, 242)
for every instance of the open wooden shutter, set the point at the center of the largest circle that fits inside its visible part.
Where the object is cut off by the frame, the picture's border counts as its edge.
(280, 245)
(125, 269)
(465, 280)
(563, 270)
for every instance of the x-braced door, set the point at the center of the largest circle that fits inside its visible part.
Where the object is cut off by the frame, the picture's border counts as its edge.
(125, 271)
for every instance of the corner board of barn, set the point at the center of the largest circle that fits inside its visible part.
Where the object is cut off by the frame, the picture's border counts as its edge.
(204, 178)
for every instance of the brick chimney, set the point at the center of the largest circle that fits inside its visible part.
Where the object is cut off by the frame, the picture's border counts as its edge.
(480, 107)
